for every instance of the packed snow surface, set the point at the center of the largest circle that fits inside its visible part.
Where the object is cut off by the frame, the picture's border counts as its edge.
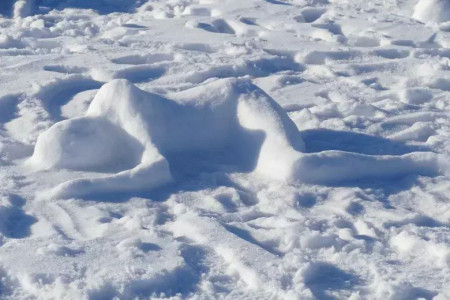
(224, 149)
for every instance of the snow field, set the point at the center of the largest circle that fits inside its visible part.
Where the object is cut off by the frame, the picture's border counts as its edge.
(224, 149)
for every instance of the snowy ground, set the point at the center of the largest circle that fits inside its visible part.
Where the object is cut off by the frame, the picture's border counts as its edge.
(189, 179)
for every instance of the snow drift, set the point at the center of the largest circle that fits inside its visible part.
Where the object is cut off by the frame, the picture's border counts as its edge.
(227, 125)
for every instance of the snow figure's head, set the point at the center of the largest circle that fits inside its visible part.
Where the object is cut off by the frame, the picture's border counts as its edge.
(432, 11)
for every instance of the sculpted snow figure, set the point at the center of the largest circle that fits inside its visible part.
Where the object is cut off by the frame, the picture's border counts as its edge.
(142, 140)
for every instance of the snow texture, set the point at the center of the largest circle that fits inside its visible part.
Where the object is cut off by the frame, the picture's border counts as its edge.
(206, 149)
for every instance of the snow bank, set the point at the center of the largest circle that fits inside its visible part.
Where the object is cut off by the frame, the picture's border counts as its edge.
(432, 11)
(226, 125)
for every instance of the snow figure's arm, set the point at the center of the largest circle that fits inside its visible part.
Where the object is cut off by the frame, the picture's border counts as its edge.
(334, 167)
(280, 157)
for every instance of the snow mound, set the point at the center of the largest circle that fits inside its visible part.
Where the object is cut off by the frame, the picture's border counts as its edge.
(432, 11)
(228, 125)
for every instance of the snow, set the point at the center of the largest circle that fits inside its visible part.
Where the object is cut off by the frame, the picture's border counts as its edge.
(432, 11)
(204, 149)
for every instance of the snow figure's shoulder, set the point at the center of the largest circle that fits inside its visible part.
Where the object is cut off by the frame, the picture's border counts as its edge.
(115, 95)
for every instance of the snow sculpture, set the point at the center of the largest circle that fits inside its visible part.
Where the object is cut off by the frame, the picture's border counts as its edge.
(147, 140)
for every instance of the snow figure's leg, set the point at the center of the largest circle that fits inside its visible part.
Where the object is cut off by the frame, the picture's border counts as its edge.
(152, 172)
(143, 177)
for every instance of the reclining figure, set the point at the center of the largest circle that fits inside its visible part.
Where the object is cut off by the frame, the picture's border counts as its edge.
(139, 141)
